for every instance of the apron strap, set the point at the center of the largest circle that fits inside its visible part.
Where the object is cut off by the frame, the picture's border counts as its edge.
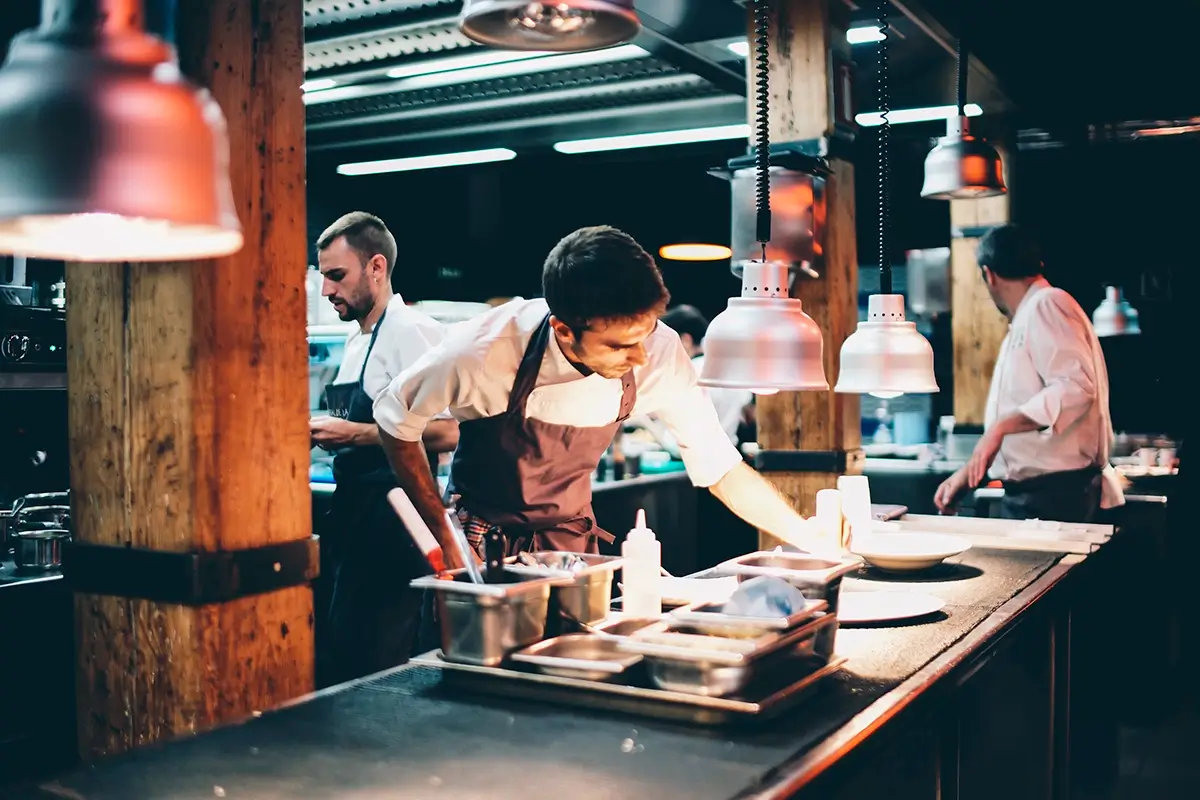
(527, 372)
(371, 346)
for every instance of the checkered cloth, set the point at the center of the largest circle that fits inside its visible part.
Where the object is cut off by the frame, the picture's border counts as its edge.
(476, 528)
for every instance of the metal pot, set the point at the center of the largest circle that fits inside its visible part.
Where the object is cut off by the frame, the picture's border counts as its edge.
(8, 517)
(39, 518)
(40, 551)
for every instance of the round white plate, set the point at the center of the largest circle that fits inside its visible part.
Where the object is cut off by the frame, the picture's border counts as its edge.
(862, 607)
(907, 552)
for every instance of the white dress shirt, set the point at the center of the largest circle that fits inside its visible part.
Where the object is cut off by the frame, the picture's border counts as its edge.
(1052, 370)
(472, 372)
(406, 335)
(728, 403)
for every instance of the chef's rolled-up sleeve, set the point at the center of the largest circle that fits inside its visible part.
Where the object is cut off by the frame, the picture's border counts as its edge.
(425, 391)
(1062, 355)
(689, 415)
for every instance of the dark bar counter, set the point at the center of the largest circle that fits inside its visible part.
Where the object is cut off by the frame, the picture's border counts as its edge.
(976, 699)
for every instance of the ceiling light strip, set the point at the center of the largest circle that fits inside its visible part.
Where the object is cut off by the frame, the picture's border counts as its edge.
(426, 162)
(657, 139)
(927, 114)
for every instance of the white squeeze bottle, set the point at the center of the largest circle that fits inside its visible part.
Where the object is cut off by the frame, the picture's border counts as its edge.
(641, 594)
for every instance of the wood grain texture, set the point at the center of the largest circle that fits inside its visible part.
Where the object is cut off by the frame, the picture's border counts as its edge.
(977, 329)
(803, 36)
(188, 401)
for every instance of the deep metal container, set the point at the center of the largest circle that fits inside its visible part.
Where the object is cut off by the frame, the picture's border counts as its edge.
(816, 578)
(482, 623)
(585, 597)
(40, 550)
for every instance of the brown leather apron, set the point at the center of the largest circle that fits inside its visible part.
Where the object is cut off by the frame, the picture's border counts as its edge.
(533, 479)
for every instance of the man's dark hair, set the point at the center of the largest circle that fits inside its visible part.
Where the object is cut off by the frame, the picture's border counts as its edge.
(1010, 252)
(365, 234)
(686, 319)
(601, 273)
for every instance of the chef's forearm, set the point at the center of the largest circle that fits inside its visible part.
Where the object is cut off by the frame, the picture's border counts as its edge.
(411, 467)
(441, 436)
(364, 434)
(1016, 422)
(755, 500)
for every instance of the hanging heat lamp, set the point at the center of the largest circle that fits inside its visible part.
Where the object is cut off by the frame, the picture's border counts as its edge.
(962, 166)
(763, 341)
(886, 356)
(562, 26)
(106, 152)
(1115, 316)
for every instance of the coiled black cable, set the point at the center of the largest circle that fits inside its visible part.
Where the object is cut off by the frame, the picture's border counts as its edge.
(884, 140)
(762, 103)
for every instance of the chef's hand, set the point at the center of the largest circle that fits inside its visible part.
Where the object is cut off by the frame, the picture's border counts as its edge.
(946, 496)
(330, 433)
(982, 457)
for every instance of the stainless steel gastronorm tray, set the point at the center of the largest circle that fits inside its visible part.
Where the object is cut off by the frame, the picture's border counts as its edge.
(773, 694)
(709, 618)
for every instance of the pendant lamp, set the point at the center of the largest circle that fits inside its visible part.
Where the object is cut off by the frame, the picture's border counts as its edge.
(106, 152)
(763, 341)
(886, 356)
(962, 166)
(565, 25)
(1115, 316)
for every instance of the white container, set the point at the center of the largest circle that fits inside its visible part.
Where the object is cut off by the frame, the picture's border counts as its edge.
(641, 593)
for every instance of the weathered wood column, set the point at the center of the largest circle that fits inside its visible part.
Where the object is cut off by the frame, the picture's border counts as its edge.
(977, 327)
(188, 395)
(807, 41)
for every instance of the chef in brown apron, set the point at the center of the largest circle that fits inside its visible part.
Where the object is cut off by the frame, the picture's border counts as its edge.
(540, 387)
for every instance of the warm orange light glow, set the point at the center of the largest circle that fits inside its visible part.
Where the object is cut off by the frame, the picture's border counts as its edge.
(695, 252)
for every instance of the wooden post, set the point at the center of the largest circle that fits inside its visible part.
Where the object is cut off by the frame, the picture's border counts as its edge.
(188, 392)
(803, 37)
(977, 327)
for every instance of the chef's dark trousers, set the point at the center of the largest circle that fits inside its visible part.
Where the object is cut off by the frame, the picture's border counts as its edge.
(373, 615)
(1072, 496)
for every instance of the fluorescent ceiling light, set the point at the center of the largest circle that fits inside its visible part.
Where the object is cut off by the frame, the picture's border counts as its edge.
(658, 139)
(318, 84)
(901, 115)
(862, 35)
(426, 162)
(476, 67)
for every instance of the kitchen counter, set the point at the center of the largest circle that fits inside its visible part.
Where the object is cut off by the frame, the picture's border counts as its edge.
(989, 672)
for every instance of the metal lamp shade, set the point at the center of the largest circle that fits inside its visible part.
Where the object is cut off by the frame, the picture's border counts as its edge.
(563, 26)
(1115, 316)
(763, 341)
(108, 154)
(886, 356)
(962, 167)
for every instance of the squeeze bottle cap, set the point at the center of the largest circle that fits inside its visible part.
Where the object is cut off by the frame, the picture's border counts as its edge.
(640, 531)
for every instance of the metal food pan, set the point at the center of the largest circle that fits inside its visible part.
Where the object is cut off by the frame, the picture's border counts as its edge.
(578, 655)
(710, 619)
(585, 595)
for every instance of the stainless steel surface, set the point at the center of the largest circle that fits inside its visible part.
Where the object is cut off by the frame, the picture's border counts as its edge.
(708, 618)
(624, 626)
(817, 579)
(587, 598)
(680, 643)
(796, 220)
(32, 518)
(579, 655)
(760, 701)
(466, 552)
(482, 623)
(39, 550)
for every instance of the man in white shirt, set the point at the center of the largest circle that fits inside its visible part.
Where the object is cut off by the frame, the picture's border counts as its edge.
(366, 552)
(734, 406)
(1047, 430)
(539, 387)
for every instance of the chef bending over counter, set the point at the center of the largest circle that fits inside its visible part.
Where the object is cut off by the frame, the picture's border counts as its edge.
(539, 388)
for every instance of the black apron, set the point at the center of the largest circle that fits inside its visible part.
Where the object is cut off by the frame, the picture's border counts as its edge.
(1071, 496)
(372, 613)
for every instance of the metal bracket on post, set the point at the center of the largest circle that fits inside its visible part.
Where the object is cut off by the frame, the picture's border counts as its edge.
(837, 462)
(189, 578)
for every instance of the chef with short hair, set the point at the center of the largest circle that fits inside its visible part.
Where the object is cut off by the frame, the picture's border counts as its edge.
(1047, 430)
(539, 388)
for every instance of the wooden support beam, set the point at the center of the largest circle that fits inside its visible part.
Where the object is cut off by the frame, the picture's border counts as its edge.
(188, 397)
(977, 327)
(804, 35)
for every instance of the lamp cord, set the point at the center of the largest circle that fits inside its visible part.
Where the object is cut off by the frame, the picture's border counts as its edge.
(885, 130)
(762, 155)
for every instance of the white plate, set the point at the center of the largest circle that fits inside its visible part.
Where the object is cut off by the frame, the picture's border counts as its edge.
(861, 607)
(907, 552)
